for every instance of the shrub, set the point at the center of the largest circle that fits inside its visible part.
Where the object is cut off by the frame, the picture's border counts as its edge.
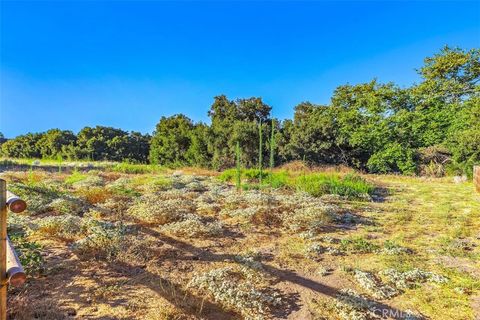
(122, 187)
(412, 278)
(233, 289)
(151, 184)
(137, 249)
(151, 208)
(66, 205)
(374, 286)
(193, 226)
(393, 158)
(88, 182)
(94, 195)
(65, 227)
(309, 218)
(350, 304)
(117, 205)
(392, 248)
(100, 242)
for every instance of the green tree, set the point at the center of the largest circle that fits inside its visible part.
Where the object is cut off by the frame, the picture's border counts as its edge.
(171, 140)
(54, 142)
(23, 146)
(198, 153)
(234, 121)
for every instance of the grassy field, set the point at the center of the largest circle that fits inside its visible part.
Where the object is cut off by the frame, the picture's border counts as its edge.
(120, 241)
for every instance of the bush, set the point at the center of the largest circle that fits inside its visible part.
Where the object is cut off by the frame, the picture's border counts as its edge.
(121, 187)
(394, 158)
(309, 218)
(151, 208)
(193, 226)
(94, 195)
(235, 289)
(102, 241)
(85, 181)
(67, 205)
(65, 227)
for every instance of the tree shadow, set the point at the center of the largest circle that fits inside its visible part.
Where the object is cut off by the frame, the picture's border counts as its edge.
(174, 293)
(380, 194)
(281, 274)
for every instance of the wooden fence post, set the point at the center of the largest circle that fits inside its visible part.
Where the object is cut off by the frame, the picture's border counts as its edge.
(3, 249)
(476, 177)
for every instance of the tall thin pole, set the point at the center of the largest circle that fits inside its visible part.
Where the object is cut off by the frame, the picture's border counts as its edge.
(260, 150)
(3, 249)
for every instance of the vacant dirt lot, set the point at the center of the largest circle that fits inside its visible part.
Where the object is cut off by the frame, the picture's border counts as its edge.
(183, 245)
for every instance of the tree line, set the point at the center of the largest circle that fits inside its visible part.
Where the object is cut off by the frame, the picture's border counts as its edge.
(428, 128)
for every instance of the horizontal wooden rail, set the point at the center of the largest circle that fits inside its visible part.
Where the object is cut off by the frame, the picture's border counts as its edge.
(14, 203)
(15, 274)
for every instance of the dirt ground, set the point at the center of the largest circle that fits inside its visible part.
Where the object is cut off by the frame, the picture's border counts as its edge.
(423, 215)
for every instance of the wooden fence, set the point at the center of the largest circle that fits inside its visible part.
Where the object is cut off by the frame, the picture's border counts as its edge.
(476, 177)
(11, 271)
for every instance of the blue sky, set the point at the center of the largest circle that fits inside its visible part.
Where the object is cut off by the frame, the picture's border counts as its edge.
(125, 64)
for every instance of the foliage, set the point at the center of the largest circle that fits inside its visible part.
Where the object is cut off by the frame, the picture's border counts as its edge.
(171, 140)
(374, 126)
(99, 143)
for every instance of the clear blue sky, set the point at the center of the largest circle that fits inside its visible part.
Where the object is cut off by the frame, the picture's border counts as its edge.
(126, 64)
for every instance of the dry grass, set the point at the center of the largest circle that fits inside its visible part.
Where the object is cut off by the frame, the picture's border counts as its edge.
(148, 235)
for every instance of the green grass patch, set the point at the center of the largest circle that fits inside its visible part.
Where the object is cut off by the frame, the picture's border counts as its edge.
(134, 168)
(318, 184)
(358, 245)
(76, 176)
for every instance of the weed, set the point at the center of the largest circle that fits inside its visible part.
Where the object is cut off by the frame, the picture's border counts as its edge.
(358, 245)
